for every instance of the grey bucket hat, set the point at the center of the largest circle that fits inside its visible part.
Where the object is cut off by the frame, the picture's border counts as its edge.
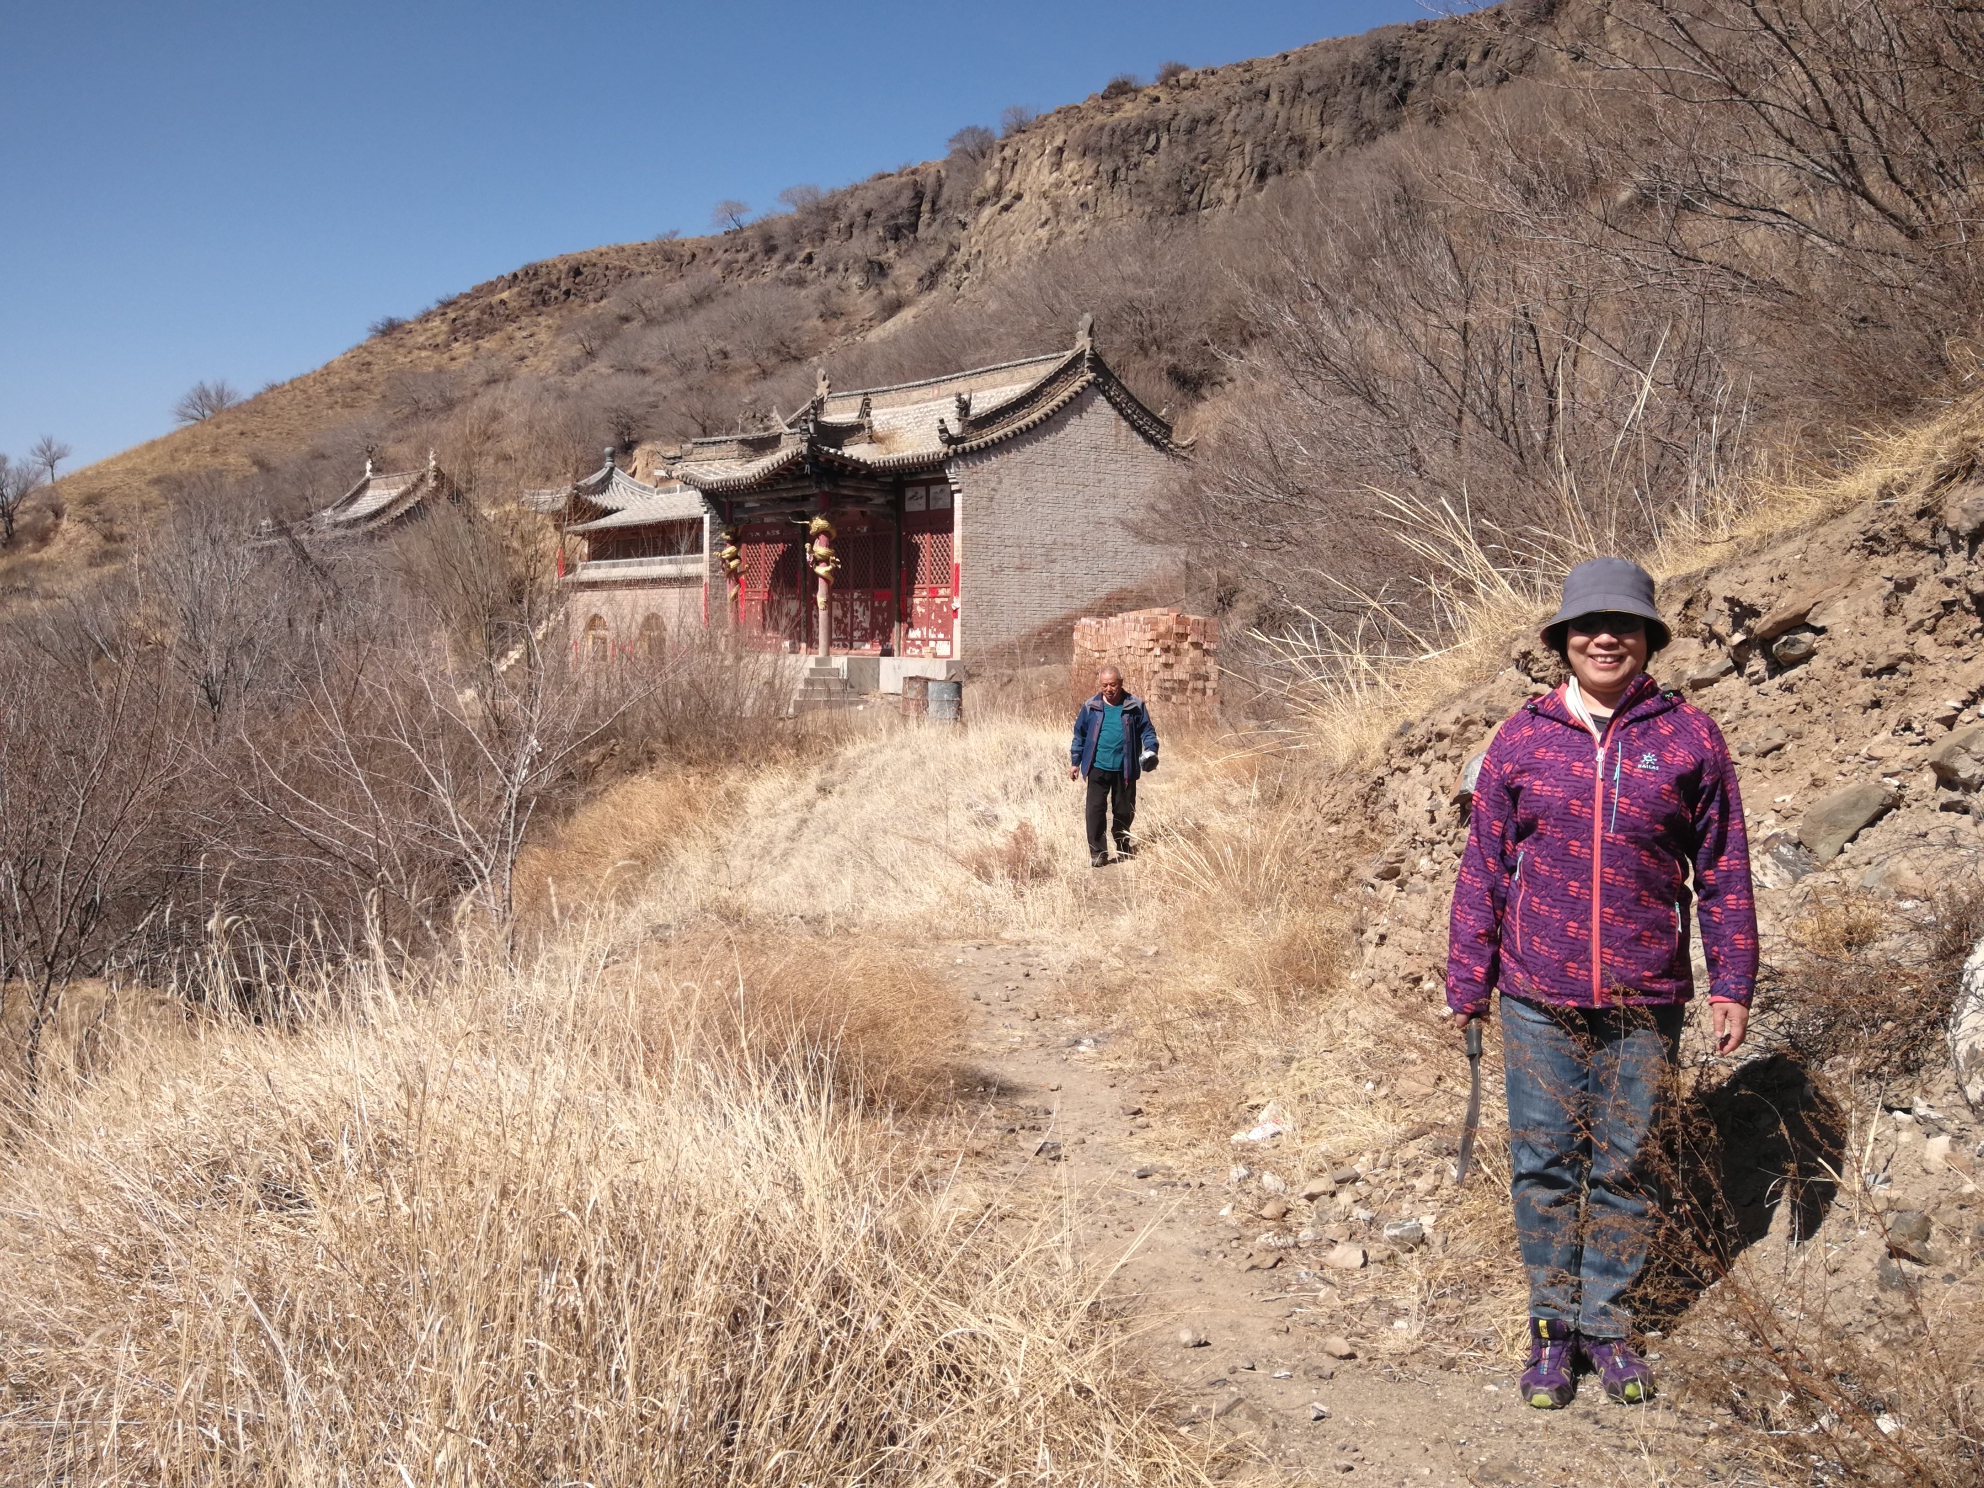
(1607, 584)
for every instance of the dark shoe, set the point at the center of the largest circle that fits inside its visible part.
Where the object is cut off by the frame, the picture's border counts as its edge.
(1548, 1383)
(1627, 1378)
(1098, 860)
(1125, 848)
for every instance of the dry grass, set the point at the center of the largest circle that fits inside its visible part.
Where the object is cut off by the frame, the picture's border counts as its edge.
(580, 1223)
(1351, 685)
(604, 850)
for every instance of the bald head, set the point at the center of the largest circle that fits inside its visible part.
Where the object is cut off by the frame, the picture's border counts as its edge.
(1109, 682)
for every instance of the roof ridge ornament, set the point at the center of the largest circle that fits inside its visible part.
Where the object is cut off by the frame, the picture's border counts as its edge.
(611, 464)
(822, 387)
(1085, 333)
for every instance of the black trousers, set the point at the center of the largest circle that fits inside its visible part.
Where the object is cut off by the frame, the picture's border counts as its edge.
(1109, 794)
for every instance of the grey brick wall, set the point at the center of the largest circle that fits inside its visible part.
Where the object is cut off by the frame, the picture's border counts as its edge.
(626, 608)
(1041, 522)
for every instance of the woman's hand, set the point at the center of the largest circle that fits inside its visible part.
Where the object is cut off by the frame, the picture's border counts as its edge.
(1730, 1020)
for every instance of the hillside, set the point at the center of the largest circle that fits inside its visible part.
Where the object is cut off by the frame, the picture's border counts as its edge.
(838, 1120)
(843, 278)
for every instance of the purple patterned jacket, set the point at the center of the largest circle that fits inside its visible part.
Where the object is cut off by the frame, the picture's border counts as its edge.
(1560, 825)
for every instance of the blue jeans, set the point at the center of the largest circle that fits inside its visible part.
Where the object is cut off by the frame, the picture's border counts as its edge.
(1583, 1085)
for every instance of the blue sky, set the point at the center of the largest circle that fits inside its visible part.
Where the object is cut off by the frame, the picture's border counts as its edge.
(237, 190)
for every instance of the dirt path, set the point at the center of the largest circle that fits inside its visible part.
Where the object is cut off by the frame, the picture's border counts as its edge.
(1069, 1128)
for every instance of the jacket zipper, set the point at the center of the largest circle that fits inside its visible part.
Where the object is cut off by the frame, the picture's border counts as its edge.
(1518, 916)
(1597, 851)
(1598, 846)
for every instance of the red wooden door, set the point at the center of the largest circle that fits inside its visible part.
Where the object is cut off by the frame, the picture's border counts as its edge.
(772, 601)
(864, 594)
(929, 572)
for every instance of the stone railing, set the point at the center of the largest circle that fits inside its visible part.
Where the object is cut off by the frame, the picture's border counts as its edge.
(614, 570)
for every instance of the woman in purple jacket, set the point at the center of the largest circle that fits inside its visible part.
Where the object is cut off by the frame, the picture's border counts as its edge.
(1594, 807)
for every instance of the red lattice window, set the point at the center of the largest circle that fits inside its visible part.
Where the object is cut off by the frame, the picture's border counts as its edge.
(865, 561)
(929, 563)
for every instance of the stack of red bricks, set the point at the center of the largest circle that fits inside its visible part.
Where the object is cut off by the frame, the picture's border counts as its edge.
(1167, 657)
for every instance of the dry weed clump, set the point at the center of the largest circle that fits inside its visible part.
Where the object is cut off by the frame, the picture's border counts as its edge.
(502, 1233)
(1866, 987)
(1017, 862)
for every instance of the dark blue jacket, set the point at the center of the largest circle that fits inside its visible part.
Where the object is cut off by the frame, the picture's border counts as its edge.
(1139, 735)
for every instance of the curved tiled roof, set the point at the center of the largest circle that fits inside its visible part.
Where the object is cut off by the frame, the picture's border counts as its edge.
(915, 425)
(674, 503)
(378, 501)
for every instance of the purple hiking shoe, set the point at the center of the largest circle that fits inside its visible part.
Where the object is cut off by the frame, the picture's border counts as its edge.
(1548, 1383)
(1627, 1378)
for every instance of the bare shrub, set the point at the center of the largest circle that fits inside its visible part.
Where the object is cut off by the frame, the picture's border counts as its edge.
(1819, 1001)
(728, 216)
(700, 694)
(385, 325)
(92, 752)
(220, 603)
(1817, 158)
(420, 395)
(973, 142)
(1014, 118)
(1121, 84)
(799, 198)
(1166, 71)
(626, 408)
(205, 399)
(19, 479)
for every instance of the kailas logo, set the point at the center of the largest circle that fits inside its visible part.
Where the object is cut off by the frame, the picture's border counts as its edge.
(1649, 761)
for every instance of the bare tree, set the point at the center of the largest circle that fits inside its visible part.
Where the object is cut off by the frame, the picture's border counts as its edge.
(801, 197)
(728, 216)
(18, 480)
(88, 764)
(974, 142)
(1014, 118)
(1813, 158)
(218, 600)
(48, 452)
(205, 399)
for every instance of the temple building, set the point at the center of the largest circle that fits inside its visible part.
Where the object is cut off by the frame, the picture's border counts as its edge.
(951, 517)
(379, 502)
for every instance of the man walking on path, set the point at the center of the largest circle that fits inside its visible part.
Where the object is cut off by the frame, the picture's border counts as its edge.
(1114, 743)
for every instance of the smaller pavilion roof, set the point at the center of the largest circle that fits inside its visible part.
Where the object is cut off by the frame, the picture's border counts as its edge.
(379, 500)
(607, 490)
(671, 503)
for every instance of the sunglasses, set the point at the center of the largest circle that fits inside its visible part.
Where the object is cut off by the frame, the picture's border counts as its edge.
(1608, 622)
